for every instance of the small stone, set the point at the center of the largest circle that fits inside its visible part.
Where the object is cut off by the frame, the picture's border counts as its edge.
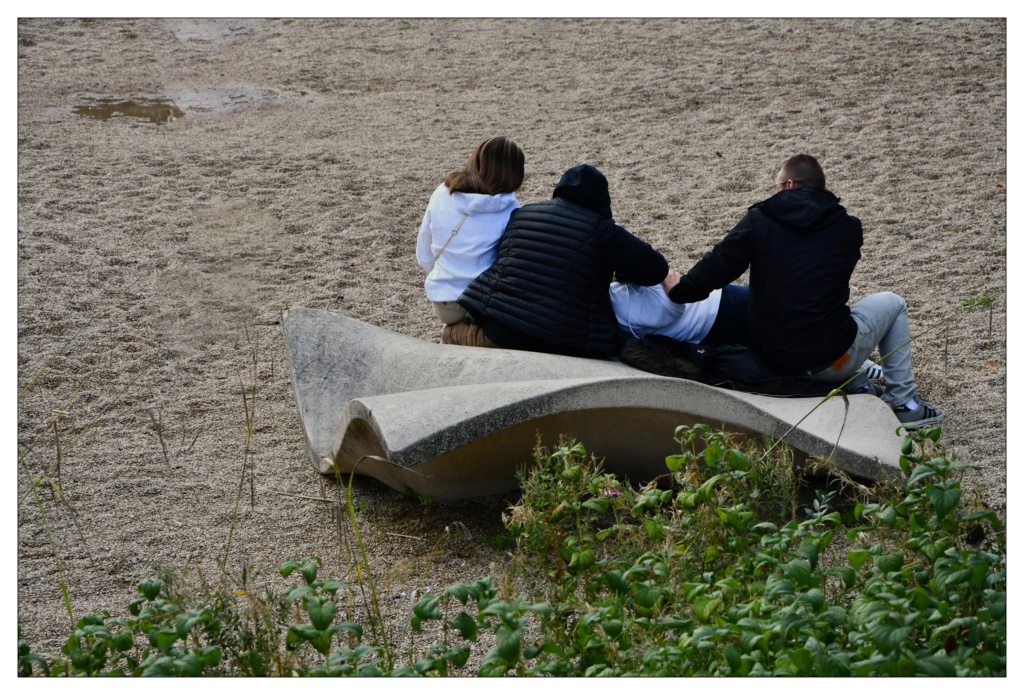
(135, 560)
(977, 231)
(551, 173)
(908, 235)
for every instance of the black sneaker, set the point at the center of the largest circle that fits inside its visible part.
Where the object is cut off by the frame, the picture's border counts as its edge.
(872, 389)
(924, 414)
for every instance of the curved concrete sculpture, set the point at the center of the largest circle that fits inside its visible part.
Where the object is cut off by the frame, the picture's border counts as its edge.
(457, 422)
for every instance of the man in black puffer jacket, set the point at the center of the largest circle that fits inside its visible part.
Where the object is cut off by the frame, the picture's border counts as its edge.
(547, 291)
(801, 247)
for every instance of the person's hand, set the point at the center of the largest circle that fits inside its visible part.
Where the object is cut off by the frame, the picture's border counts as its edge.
(671, 280)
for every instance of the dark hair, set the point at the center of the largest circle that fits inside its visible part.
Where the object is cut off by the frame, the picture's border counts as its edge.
(496, 166)
(805, 172)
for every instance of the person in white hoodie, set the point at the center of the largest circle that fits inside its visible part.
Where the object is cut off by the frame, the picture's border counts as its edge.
(465, 219)
(720, 319)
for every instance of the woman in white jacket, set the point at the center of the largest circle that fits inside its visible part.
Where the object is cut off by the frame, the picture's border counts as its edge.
(464, 221)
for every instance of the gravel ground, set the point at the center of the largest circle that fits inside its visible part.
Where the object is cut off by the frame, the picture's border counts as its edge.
(273, 162)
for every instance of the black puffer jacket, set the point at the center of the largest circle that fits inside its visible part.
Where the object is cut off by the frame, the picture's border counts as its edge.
(801, 246)
(547, 291)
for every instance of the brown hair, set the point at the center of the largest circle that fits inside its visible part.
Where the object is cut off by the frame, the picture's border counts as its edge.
(805, 171)
(496, 166)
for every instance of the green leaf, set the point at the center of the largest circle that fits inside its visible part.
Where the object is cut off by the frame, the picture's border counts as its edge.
(192, 619)
(686, 500)
(559, 512)
(352, 628)
(598, 504)
(612, 628)
(802, 659)
(738, 461)
(426, 608)
(157, 670)
(465, 625)
(615, 581)
(123, 640)
(331, 586)
(706, 492)
(920, 472)
(944, 500)
(163, 639)
(808, 550)
(887, 515)
(704, 608)
(188, 666)
(799, 572)
(813, 598)
(457, 656)
(210, 656)
(675, 462)
(459, 591)
(308, 572)
(582, 561)
(508, 643)
(857, 558)
(711, 554)
(936, 666)
(655, 531)
(424, 666)
(908, 445)
(645, 595)
(713, 453)
(320, 615)
(888, 637)
(893, 562)
(729, 584)
(150, 589)
(299, 633)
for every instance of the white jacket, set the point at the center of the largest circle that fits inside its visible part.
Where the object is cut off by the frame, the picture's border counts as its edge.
(472, 250)
(642, 310)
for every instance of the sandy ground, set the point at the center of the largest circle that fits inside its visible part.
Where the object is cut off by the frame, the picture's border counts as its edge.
(156, 258)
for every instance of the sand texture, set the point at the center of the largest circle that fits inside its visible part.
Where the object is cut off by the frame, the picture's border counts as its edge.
(293, 169)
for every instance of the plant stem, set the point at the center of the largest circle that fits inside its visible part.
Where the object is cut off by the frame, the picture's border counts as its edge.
(53, 547)
(945, 360)
(375, 613)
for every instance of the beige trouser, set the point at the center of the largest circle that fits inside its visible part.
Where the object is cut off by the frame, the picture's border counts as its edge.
(449, 312)
(468, 334)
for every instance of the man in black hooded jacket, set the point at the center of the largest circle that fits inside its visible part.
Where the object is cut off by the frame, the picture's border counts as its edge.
(547, 290)
(801, 247)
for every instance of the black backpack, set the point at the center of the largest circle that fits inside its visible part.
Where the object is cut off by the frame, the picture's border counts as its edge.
(728, 366)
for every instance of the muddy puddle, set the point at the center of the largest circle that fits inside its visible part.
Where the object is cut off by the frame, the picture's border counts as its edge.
(158, 110)
(212, 31)
(193, 101)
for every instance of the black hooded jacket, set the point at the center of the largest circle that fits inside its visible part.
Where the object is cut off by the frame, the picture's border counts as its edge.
(547, 290)
(801, 247)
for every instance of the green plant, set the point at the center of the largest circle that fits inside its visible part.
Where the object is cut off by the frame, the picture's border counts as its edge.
(720, 571)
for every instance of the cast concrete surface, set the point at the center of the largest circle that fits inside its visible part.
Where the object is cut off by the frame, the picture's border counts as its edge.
(457, 422)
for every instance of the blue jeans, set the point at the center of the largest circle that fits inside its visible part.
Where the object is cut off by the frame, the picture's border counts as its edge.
(881, 322)
(731, 326)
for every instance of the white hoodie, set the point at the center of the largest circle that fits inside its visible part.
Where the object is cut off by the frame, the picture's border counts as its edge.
(472, 250)
(642, 310)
